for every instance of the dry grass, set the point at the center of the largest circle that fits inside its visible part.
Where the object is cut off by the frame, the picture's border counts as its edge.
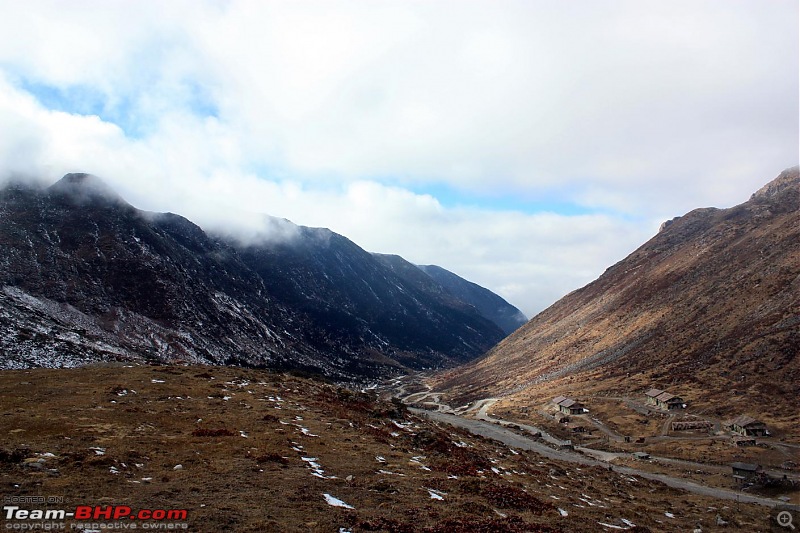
(245, 439)
(610, 402)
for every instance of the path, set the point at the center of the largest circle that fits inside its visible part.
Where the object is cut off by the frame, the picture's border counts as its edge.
(610, 433)
(483, 414)
(510, 438)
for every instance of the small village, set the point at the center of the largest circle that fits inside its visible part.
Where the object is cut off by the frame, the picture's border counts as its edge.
(649, 430)
(587, 432)
(671, 435)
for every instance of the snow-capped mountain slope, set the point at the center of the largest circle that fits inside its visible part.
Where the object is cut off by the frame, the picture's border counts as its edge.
(85, 276)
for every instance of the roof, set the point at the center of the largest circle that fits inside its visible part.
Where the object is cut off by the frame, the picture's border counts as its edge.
(559, 399)
(654, 392)
(749, 467)
(744, 421)
(665, 397)
(568, 402)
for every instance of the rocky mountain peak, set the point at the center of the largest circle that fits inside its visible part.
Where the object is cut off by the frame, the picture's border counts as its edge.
(773, 193)
(788, 179)
(108, 281)
(81, 188)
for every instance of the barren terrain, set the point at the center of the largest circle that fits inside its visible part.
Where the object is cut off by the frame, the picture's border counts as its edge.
(708, 309)
(259, 451)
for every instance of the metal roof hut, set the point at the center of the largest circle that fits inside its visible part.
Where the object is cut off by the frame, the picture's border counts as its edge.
(571, 407)
(663, 399)
(652, 394)
(747, 426)
(668, 401)
(746, 472)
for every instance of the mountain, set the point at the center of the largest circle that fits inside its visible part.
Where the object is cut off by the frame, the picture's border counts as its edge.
(489, 304)
(708, 308)
(443, 283)
(85, 276)
(353, 295)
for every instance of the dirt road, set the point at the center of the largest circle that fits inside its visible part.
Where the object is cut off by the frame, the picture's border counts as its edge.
(510, 438)
(483, 407)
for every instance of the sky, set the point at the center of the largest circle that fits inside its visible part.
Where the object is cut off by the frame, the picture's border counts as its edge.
(524, 145)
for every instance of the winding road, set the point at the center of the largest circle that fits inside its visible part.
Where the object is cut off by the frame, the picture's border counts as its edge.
(515, 440)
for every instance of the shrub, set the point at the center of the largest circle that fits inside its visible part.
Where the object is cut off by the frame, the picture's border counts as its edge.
(221, 432)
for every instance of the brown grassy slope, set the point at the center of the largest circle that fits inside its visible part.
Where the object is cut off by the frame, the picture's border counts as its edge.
(241, 437)
(711, 301)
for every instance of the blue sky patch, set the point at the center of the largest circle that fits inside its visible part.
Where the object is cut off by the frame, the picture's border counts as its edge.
(120, 110)
(86, 100)
(502, 201)
(77, 99)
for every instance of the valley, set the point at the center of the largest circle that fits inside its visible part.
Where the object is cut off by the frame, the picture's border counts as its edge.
(692, 460)
(681, 360)
(707, 309)
(400, 266)
(312, 386)
(253, 450)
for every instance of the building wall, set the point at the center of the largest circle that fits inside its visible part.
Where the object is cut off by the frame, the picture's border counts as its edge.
(750, 432)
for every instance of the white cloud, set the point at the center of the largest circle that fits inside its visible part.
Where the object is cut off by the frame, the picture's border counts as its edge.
(331, 113)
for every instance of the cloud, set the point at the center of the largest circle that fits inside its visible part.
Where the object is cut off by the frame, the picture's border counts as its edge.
(342, 114)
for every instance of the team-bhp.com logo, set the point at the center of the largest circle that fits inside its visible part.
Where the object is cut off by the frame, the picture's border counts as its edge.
(97, 517)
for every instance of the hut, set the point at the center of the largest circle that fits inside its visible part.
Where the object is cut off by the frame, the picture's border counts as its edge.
(663, 400)
(746, 472)
(651, 395)
(669, 401)
(570, 407)
(747, 426)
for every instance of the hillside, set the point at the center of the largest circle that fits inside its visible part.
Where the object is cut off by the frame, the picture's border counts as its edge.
(455, 289)
(355, 297)
(254, 451)
(85, 276)
(489, 304)
(708, 308)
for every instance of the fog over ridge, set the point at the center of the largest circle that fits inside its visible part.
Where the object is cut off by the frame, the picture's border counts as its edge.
(524, 148)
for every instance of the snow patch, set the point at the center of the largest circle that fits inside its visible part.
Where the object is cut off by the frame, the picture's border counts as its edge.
(436, 494)
(336, 502)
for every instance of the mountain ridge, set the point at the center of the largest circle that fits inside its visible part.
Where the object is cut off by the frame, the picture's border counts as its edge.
(87, 277)
(710, 298)
(508, 317)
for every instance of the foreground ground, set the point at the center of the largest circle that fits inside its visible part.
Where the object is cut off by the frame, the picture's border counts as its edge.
(248, 450)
